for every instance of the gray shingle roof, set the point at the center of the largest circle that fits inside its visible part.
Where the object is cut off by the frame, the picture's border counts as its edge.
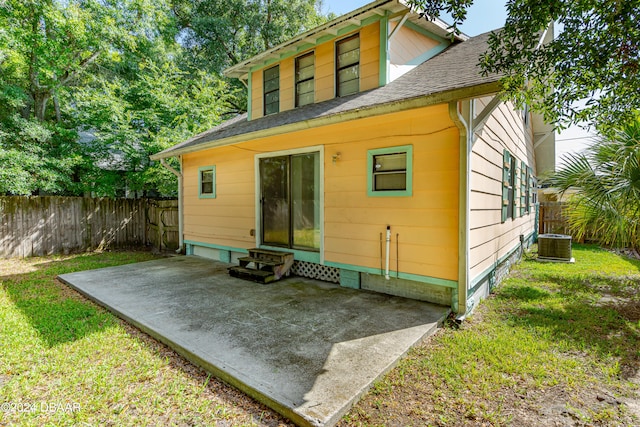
(454, 69)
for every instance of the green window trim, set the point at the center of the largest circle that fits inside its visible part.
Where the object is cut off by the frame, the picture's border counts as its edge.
(533, 199)
(515, 176)
(506, 184)
(524, 192)
(407, 171)
(207, 182)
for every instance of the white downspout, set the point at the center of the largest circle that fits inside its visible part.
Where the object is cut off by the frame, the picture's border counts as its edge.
(386, 268)
(180, 201)
(465, 126)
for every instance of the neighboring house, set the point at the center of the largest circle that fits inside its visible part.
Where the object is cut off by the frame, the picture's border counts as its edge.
(374, 120)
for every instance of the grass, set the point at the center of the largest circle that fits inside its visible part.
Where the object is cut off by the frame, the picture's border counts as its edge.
(65, 361)
(555, 344)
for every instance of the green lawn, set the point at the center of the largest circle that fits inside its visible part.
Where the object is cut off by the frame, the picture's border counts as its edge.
(66, 361)
(557, 344)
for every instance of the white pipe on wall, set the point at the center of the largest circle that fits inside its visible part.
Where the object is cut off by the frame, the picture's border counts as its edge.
(386, 270)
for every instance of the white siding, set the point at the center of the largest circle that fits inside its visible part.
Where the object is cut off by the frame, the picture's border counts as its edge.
(490, 238)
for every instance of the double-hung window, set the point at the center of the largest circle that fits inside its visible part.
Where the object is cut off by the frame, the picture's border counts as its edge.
(348, 65)
(508, 185)
(207, 182)
(305, 71)
(390, 171)
(271, 83)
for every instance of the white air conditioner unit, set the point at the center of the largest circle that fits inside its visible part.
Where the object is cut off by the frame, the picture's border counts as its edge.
(554, 247)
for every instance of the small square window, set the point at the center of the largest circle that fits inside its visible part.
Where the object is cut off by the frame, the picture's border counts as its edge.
(207, 182)
(390, 171)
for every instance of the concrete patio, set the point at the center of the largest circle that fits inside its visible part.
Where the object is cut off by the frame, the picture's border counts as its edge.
(307, 349)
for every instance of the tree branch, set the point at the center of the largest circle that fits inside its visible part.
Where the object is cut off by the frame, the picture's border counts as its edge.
(68, 76)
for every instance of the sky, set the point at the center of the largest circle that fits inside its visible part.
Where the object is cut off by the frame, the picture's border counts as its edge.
(483, 16)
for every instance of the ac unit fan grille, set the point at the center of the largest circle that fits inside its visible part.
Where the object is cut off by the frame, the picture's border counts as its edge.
(554, 246)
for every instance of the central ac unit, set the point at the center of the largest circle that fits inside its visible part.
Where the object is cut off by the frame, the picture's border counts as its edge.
(554, 247)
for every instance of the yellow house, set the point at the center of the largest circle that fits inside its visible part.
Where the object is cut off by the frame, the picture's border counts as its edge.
(375, 151)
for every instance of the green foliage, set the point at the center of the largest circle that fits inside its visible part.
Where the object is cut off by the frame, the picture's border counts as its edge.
(221, 33)
(589, 72)
(606, 179)
(89, 89)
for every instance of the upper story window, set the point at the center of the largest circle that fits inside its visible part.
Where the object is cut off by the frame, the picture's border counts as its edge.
(305, 72)
(348, 65)
(271, 90)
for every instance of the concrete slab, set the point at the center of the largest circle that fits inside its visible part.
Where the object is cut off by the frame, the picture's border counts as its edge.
(308, 349)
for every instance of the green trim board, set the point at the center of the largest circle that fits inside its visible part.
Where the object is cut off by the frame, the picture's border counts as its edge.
(408, 191)
(418, 29)
(214, 246)
(407, 276)
(249, 94)
(385, 59)
(211, 195)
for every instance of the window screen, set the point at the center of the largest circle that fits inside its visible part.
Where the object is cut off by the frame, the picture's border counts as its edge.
(272, 90)
(348, 66)
(305, 70)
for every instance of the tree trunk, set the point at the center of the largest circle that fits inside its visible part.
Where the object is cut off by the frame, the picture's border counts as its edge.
(56, 105)
(41, 99)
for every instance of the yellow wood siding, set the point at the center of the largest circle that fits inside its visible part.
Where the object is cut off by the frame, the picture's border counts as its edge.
(370, 57)
(325, 80)
(489, 238)
(257, 107)
(427, 222)
(287, 84)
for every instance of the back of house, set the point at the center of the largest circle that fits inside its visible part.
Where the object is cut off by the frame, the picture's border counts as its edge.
(375, 151)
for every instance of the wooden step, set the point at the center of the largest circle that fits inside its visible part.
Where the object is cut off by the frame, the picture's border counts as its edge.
(244, 261)
(269, 265)
(259, 276)
(270, 255)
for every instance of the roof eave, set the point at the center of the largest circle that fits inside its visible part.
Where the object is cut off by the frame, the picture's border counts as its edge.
(361, 113)
(241, 69)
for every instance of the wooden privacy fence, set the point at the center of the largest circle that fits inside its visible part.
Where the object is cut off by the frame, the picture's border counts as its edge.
(162, 224)
(36, 226)
(553, 219)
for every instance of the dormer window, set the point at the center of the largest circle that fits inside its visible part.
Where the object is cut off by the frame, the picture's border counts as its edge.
(271, 90)
(305, 72)
(348, 66)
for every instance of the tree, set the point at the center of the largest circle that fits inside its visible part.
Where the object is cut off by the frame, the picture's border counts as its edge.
(108, 70)
(220, 33)
(606, 180)
(589, 72)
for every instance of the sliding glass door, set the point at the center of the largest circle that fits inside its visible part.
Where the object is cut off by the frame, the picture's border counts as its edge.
(290, 201)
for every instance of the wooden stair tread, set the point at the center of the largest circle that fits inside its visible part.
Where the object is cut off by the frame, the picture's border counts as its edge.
(260, 261)
(268, 252)
(259, 276)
